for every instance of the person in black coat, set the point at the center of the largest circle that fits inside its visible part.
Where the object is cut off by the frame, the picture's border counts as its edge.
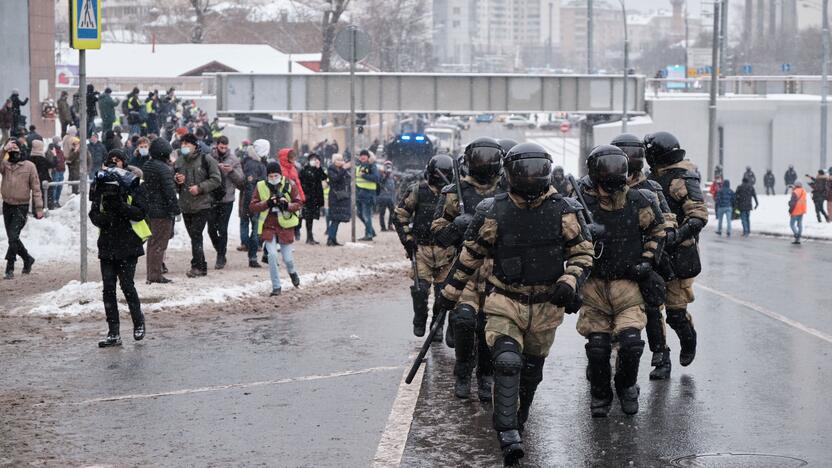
(340, 199)
(790, 177)
(162, 207)
(743, 197)
(311, 180)
(17, 121)
(114, 210)
(768, 181)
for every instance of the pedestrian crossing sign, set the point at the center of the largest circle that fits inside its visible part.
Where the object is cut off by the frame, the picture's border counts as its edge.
(85, 24)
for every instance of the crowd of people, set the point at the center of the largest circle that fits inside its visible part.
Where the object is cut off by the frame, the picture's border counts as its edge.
(730, 204)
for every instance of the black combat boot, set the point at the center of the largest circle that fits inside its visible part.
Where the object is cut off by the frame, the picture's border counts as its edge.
(630, 349)
(138, 319)
(465, 336)
(9, 274)
(508, 364)
(662, 369)
(295, 279)
(221, 261)
(27, 264)
(485, 368)
(113, 338)
(530, 378)
(420, 307)
(598, 351)
(449, 336)
(449, 330)
(681, 324)
(437, 338)
(485, 384)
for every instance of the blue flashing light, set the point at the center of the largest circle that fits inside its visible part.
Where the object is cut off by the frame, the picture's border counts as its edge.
(406, 137)
(420, 138)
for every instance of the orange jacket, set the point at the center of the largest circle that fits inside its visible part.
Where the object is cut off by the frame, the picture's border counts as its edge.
(797, 205)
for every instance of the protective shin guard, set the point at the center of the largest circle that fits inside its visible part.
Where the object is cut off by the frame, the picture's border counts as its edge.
(508, 364)
(485, 369)
(465, 335)
(420, 307)
(630, 349)
(680, 323)
(598, 352)
(655, 329)
(449, 330)
(437, 338)
(530, 378)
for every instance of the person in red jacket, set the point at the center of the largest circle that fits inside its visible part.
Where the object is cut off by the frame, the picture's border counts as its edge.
(277, 200)
(287, 158)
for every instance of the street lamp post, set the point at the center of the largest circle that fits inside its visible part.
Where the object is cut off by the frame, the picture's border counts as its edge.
(824, 84)
(626, 68)
(712, 127)
(589, 36)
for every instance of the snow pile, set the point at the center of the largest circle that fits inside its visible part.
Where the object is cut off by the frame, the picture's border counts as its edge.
(772, 217)
(75, 298)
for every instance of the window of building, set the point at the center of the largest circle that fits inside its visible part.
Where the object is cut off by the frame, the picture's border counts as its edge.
(457, 10)
(456, 24)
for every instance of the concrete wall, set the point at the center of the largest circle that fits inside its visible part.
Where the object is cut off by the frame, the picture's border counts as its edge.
(761, 132)
(42, 60)
(14, 53)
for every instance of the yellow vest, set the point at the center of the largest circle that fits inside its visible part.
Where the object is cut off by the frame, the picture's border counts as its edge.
(363, 183)
(287, 220)
(140, 228)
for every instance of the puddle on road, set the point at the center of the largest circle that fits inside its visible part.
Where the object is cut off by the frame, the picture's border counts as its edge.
(738, 460)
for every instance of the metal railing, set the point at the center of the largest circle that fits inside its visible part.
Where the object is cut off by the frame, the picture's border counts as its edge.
(736, 85)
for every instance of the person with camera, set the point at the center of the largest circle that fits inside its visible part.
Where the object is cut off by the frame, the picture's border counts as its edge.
(118, 209)
(20, 185)
(277, 200)
(197, 175)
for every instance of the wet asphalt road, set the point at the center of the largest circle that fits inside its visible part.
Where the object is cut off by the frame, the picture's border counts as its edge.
(757, 386)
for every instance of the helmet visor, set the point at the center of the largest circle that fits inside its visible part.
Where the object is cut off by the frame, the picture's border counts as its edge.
(529, 178)
(610, 172)
(484, 163)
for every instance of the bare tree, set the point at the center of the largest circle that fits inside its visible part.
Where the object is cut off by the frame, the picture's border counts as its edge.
(331, 16)
(201, 8)
(399, 31)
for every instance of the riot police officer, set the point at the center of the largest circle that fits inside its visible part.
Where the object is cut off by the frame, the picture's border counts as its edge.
(467, 322)
(412, 221)
(506, 144)
(654, 297)
(680, 183)
(559, 181)
(627, 248)
(541, 256)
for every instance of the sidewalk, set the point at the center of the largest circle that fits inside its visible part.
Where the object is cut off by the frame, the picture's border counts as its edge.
(771, 218)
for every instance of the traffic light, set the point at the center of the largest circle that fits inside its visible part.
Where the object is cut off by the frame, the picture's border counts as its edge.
(360, 121)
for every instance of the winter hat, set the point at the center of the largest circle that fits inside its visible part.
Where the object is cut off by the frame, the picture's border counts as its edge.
(273, 168)
(118, 154)
(72, 130)
(798, 184)
(181, 131)
(189, 138)
(262, 147)
(160, 149)
(37, 148)
(56, 140)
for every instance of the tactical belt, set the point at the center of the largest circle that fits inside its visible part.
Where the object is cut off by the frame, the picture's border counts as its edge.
(538, 298)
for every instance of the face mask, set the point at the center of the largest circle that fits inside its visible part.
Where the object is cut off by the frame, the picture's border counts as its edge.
(185, 150)
(143, 151)
(14, 156)
(274, 180)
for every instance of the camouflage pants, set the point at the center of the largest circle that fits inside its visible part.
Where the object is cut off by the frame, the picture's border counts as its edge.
(679, 293)
(533, 326)
(611, 306)
(432, 263)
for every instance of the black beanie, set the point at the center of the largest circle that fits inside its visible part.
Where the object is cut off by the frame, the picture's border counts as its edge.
(160, 149)
(117, 153)
(189, 138)
(273, 168)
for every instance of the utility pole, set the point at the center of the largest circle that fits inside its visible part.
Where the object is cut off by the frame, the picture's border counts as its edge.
(83, 133)
(589, 22)
(624, 116)
(549, 40)
(351, 143)
(687, 54)
(824, 85)
(723, 31)
(712, 129)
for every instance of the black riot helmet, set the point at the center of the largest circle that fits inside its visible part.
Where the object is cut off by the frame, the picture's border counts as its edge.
(440, 170)
(527, 168)
(633, 147)
(483, 158)
(557, 173)
(506, 144)
(662, 149)
(607, 166)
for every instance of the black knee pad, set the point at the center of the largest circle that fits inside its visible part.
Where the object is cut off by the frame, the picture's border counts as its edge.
(506, 356)
(481, 320)
(630, 343)
(465, 319)
(424, 286)
(598, 347)
(677, 317)
(532, 370)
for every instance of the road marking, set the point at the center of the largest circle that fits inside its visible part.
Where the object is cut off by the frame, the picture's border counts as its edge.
(393, 439)
(769, 313)
(214, 388)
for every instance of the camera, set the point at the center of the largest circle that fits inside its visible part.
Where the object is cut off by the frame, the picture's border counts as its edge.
(113, 180)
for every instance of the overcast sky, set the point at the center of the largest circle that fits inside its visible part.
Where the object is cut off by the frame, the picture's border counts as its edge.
(647, 5)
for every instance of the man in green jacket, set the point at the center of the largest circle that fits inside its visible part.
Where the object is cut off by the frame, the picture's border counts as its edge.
(197, 175)
(107, 107)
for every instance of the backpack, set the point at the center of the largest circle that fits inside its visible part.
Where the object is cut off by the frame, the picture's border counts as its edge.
(218, 193)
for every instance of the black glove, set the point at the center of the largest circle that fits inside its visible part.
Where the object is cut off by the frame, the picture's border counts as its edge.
(575, 304)
(272, 202)
(410, 248)
(670, 239)
(443, 303)
(462, 221)
(641, 271)
(653, 289)
(283, 204)
(563, 294)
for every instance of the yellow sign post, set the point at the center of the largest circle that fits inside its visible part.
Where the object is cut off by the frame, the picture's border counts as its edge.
(85, 24)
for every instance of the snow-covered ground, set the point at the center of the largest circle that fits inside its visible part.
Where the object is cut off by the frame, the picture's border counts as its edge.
(772, 217)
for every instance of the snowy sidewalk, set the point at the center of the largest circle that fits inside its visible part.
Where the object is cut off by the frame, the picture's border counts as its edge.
(771, 218)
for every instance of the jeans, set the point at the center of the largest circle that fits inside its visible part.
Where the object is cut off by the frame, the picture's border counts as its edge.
(796, 223)
(385, 205)
(135, 129)
(726, 212)
(252, 238)
(123, 271)
(14, 218)
(332, 230)
(218, 226)
(365, 214)
(161, 228)
(195, 223)
(745, 217)
(770, 191)
(821, 211)
(274, 268)
(55, 190)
